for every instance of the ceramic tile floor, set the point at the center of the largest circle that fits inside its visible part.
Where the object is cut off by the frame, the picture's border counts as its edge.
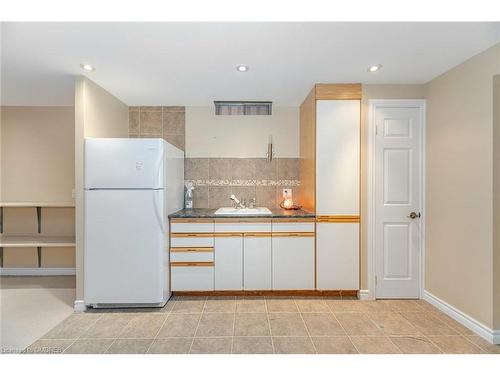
(265, 325)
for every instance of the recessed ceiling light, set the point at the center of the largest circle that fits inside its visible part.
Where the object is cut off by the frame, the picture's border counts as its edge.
(87, 67)
(242, 68)
(374, 68)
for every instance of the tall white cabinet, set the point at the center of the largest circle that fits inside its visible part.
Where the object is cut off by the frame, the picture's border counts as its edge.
(331, 113)
(337, 194)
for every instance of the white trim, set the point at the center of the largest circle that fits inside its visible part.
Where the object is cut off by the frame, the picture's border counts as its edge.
(364, 294)
(371, 214)
(79, 306)
(37, 271)
(478, 328)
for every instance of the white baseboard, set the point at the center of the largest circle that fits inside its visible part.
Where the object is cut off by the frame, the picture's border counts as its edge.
(37, 271)
(79, 306)
(364, 295)
(493, 336)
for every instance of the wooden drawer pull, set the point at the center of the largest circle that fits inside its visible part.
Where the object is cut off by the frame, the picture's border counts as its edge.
(293, 234)
(338, 219)
(257, 234)
(180, 235)
(191, 249)
(192, 264)
(235, 234)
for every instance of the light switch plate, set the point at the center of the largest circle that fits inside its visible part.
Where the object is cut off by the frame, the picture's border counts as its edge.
(287, 193)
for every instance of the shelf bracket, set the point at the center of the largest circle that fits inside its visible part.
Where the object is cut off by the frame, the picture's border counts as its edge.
(1, 219)
(39, 251)
(39, 218)
(1, 257)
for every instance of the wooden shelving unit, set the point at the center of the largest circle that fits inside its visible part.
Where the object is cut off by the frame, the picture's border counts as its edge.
(38, 241)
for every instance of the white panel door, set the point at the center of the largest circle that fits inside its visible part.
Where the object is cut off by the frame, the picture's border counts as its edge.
(398, 174)
(337, 256)
(257, 263)
(229, 263)
(124, 163)
(293, 263)
(126, 256)
(337, 157)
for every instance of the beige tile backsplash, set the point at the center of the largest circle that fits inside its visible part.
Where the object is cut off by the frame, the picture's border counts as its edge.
(215, 179)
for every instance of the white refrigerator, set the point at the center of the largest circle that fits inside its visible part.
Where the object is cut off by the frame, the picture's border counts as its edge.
(131, 186)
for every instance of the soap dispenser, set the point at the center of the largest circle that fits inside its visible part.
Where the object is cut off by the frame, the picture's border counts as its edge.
(188, 195)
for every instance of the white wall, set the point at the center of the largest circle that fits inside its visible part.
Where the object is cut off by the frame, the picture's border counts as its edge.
(208, 135)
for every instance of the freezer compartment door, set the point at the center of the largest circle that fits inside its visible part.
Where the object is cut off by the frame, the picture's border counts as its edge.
(124, 163)
(126, 259)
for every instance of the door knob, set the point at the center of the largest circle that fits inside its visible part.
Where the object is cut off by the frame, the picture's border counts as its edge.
(413, 215)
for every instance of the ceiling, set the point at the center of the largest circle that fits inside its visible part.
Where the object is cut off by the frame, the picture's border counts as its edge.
(195, 63)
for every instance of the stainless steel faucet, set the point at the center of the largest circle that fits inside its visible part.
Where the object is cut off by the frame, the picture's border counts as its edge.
(237, 202)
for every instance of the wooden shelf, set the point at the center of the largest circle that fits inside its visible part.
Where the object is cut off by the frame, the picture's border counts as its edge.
(36, 241)
(37, 204)
(9, 241)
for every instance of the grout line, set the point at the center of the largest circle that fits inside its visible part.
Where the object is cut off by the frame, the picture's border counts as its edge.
(157, 333)
(234, 326)
(305, 325)
(198, 325)
(118, 334)
(92, 325)
(70, 345)
(473, 343)
(347, 335)
(269, 324)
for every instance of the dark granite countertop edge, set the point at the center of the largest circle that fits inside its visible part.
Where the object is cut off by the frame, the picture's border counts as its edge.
(204, 213)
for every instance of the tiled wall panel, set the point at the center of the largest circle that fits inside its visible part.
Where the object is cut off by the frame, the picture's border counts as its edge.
(215, 179)
(158, 122)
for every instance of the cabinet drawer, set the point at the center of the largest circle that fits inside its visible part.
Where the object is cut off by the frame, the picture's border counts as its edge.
(192, 240)
(196, 277)
(191, 254)
(293, 226)
(252, 226)
(192, 227)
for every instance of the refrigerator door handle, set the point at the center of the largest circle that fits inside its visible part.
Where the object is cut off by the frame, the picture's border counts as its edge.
(157, 211)
(159, 166)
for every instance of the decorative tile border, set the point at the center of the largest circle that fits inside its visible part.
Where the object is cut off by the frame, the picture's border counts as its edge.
(244, 182)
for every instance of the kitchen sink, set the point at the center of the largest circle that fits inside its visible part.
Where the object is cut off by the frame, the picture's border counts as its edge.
(243, 211)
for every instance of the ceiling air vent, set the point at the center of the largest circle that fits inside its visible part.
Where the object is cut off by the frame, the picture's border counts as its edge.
(235, 108)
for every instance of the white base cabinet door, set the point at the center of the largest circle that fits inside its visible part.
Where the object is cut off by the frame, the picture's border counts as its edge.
(192, 278)
(257, 263)
(293, 262)
(229, 262)
(337, 252)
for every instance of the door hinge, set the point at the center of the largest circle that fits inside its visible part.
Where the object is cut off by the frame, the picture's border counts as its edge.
(376, 129)
(376, 280)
